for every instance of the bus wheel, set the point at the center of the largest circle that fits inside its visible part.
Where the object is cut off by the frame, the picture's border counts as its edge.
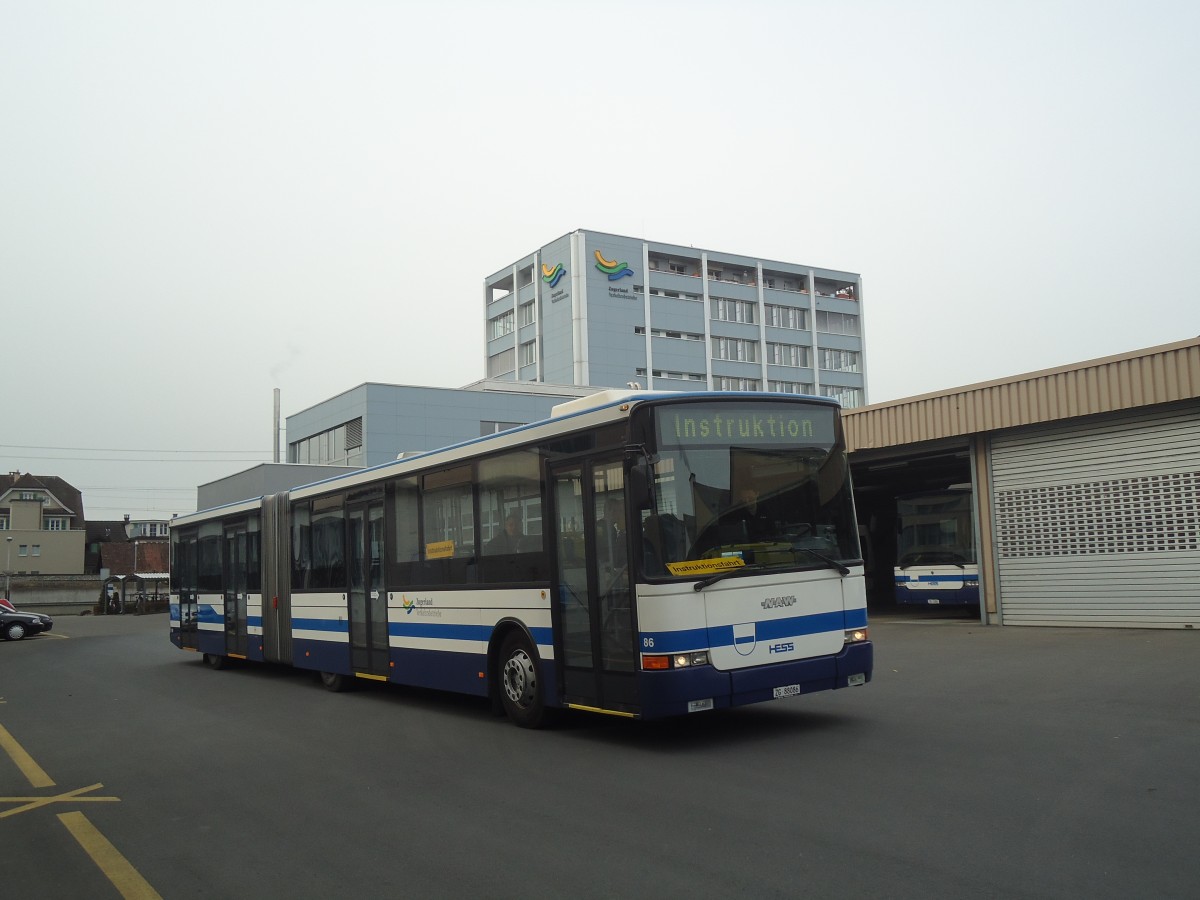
(335, 682)
(520, 687)
(213, 661)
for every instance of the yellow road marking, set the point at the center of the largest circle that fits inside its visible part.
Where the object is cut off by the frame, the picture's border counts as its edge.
(116, 868)
(36, 802)
(32, 771)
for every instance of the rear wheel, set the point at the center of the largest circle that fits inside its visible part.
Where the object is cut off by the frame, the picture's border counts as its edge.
(520, 685)
(14, 632)
(213, 661)
(335, 682)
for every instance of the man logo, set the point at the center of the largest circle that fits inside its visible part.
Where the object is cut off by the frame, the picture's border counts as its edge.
(743, 638)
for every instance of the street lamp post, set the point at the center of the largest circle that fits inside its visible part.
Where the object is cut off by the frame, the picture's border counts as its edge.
(8, 569)
(130, 534)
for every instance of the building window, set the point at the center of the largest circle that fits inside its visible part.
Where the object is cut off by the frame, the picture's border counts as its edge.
(734, 349)
(3, 523)
(791, 355)
(37, 550)
(340, 446)
(528, 353)
(786, 317)
(728, 383)
(789, 387)
(726, 310)
(847, 396)
(23, 550)
(500, 326)
(836, 323)
(528, 314)
(501, 363)
(54, 523)
(839, 360)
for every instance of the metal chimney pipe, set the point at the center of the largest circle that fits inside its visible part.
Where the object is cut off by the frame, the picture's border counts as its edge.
(276, 432)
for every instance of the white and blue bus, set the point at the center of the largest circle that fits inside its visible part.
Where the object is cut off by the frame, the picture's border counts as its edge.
(935, 550)
(640, 554)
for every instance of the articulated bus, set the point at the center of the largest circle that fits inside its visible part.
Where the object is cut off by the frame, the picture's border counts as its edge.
(641, 554)
(935, 552)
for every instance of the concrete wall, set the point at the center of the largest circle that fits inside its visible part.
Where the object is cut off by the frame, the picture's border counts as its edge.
(56, 594)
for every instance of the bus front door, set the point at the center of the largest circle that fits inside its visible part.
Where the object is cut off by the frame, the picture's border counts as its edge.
(593, 613)
(234, 581)
(368, 599)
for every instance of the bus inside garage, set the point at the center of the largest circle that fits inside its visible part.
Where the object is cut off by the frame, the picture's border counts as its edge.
(914, 514)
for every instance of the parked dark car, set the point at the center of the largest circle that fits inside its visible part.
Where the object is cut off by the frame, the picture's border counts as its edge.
(15, 624)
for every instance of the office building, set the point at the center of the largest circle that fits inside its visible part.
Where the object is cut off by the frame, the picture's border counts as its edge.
(604, 310)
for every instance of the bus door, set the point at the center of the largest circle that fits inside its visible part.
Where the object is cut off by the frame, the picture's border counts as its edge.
(593, 614)
(183, 573)
(234, 582)
(368, 598)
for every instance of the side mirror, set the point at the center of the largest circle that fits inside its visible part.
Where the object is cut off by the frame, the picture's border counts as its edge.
(640, 480)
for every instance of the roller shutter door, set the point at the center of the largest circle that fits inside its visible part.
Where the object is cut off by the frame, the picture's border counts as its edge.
(1098, 524)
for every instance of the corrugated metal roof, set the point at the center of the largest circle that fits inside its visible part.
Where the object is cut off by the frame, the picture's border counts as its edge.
(1163, 374)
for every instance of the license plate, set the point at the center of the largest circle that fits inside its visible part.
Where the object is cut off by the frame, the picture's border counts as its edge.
(699, 705)
(934, 601)
(788, 690)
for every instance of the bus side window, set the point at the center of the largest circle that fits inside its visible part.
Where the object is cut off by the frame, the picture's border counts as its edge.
(510, 519)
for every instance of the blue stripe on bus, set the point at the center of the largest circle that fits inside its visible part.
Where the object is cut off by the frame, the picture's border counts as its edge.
(336, 625)
(208, 614)
(772, 629)
(448, 632)
(913, 579)
(254, 621)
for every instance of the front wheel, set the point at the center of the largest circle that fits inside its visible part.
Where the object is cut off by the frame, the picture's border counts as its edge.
(215, 661)
(335, 682)
(520, 685)
(14, 632)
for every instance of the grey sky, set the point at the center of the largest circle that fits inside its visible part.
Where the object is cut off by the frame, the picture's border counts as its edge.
(200, 202)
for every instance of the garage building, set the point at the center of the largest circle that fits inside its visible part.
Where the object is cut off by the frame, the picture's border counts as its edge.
(1085, 483)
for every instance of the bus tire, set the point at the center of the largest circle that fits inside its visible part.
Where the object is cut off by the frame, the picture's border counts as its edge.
(336, 682)
(520, 684)
(213, 661)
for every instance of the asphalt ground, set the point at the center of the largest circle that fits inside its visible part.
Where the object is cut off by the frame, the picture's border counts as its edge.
(980, 762)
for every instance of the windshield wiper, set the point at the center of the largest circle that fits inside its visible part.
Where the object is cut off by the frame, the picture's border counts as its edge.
(714, 578)
(830, 563)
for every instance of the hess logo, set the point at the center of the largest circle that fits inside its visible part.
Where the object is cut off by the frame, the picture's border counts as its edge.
(785, 647)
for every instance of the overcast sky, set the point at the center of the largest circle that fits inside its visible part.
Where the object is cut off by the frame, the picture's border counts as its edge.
(201, 202)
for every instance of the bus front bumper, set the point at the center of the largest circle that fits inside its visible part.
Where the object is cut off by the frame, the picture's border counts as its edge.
(681, 691)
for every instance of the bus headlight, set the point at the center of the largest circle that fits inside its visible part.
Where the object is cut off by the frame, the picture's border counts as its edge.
(656, 663)
(856, 636)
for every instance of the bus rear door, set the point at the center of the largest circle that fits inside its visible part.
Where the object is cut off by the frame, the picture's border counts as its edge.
(368, 598)
(234, 582)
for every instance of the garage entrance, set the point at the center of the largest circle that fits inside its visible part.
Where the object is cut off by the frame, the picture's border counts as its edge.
(881, 480)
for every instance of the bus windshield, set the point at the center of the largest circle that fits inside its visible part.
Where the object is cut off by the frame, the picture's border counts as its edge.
(767, 483)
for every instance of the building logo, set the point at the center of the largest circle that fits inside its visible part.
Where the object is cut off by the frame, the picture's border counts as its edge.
(553, 276)
(613, 269)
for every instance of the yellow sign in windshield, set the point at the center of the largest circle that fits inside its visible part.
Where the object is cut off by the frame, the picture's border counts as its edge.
(705, 566)
(439, 550)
